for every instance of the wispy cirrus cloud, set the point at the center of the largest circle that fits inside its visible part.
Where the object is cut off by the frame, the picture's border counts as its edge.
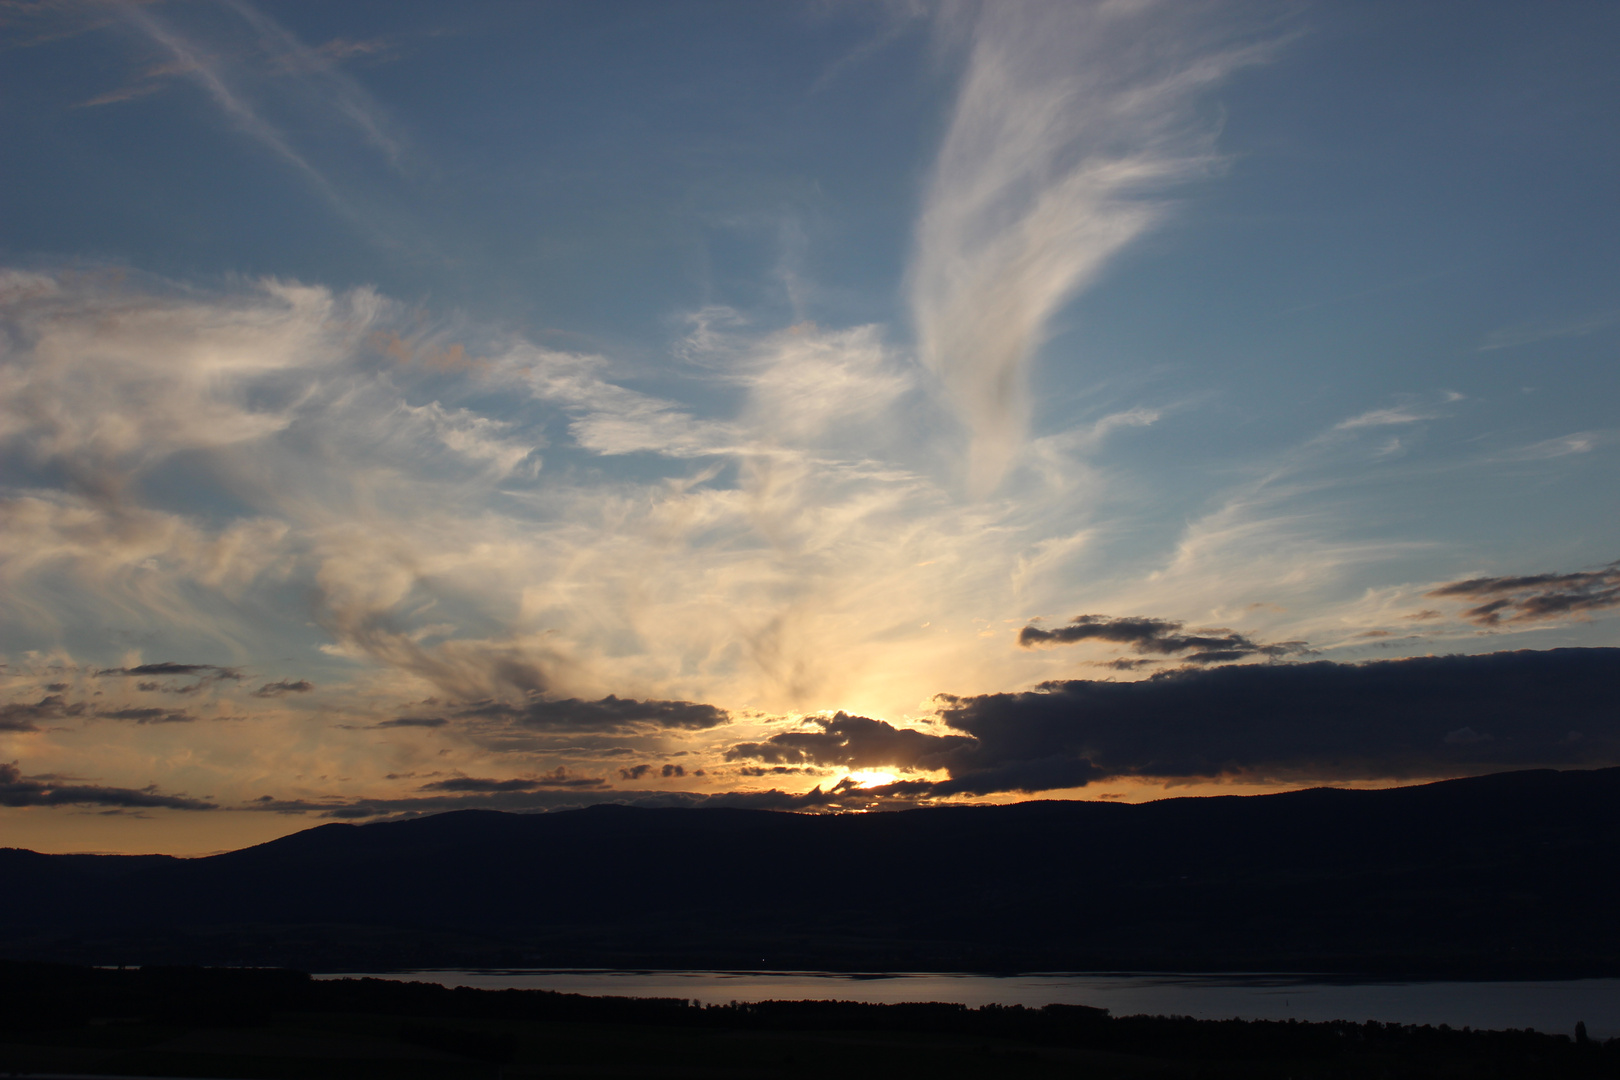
(273, 88)
(319, 75)
(798, 550)
(893, 19)
(404, 547)
(1579, 442)
(123, 93)
(27, 23)
(1072, 124)
(1401, 414)
(373, 462)
(209, 72)
(1510, 337)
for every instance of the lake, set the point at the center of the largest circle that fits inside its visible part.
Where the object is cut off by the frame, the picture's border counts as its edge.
(1550, 1006)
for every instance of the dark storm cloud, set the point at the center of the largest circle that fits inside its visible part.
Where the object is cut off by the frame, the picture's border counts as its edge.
(508, 800)
(610, 713)
(845, 795)
(1536, 596)
(1391, 718)
(511, 799)
(149, 716)
(204, 676)
(815, 799)
(26, 716)
(1126, 663)
(19, 790)
(169, 668)
(1427, 716)
(779, 770)
(978, 777)
(279, 689)
(474, 783)
(556, 779)
(858, 742)
(636, 772)
(842, 797)
(1320, 721)
(854, 742)
(1161, 637)
(413, 721)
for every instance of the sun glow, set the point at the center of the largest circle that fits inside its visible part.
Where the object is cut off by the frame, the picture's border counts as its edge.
(870, 778)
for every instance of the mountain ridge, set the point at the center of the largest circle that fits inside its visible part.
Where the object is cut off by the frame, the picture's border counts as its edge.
(1510, 872)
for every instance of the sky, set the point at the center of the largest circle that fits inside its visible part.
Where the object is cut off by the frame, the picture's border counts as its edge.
(810, 406)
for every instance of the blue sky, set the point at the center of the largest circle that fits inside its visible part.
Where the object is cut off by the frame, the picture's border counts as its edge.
(404, 372)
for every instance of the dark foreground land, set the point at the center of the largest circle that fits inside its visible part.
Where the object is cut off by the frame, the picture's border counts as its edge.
(232, 1023)
(1514, 875)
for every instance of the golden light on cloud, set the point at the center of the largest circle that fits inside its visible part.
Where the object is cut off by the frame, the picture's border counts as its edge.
(902, 514)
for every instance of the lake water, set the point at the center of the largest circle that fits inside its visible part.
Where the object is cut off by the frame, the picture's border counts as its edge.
(1552, 1006)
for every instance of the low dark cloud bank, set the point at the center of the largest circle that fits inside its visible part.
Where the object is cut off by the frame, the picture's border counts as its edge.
(1159, 637)
(1391, 719)
(519, 801)
(19, 790)
(1297, 722)
(284, 687)
(170, 668)
(668, 771)
(413, 721)
(27, 716)
(149, 716)
(1536, 596)
(558, 778)
(609, 714)
(205, 675)
(854, 742)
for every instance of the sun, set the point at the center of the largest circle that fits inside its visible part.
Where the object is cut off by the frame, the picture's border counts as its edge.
(870, 778)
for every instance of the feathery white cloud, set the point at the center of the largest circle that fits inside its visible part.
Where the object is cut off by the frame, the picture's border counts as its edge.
(1072, 124)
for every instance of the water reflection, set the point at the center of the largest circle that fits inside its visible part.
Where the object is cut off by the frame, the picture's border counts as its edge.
(1552, 1006)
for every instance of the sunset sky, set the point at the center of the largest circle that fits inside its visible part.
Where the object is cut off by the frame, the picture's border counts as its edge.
(408, 406)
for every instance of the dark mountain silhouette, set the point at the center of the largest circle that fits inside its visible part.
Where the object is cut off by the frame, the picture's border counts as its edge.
(1510, 874)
